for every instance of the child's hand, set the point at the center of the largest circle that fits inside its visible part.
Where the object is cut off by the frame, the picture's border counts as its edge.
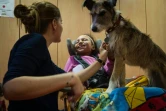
(103, 51)
(105, 46)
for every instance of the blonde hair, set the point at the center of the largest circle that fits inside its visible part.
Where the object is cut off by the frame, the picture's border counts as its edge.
(37, 16)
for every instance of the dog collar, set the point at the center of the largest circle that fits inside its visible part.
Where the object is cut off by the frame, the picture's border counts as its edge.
(114, 25)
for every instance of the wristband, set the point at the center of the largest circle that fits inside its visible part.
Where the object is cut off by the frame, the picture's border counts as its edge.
(101, 61)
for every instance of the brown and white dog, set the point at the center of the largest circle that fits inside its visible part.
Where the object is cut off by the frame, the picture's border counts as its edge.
(128, 45)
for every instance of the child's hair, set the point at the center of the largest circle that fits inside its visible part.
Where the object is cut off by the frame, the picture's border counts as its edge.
(37, 17)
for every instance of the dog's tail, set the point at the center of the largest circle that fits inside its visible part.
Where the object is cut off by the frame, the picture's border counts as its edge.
(156, 79)
(157, 72)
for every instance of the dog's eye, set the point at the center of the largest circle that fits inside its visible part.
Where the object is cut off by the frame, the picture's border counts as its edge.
(102, 13)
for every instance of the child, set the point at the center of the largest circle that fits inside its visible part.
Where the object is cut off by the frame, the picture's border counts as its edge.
(86, 50)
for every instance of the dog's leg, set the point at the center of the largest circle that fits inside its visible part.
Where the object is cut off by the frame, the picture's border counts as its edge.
(118, 76)
(122, 80)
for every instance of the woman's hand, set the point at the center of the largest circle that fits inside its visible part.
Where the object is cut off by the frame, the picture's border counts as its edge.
(77, 89)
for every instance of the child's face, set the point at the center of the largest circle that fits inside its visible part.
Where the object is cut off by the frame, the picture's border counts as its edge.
(84, 45)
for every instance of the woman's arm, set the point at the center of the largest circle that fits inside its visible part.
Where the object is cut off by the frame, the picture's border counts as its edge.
(93, 68)
(26, 87)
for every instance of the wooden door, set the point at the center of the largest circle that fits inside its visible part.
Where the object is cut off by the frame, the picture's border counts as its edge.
(9, 34)
(134, 10)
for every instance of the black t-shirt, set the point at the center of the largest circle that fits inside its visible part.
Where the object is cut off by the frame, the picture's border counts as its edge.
(30, 57)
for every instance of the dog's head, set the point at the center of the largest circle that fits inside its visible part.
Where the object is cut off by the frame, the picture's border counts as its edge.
(102, 12)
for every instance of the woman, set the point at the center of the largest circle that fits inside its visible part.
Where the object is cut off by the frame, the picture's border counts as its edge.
(32, 80)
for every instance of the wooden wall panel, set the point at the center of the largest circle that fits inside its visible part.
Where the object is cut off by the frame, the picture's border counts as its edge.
(76, 21)
(9, 33)
(134, 10)
(156, 21)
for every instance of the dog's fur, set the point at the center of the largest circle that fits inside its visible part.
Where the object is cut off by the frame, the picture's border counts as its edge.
(128, 45)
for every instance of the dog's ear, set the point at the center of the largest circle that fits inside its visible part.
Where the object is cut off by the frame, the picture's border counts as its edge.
(112, 3)
(88, 4)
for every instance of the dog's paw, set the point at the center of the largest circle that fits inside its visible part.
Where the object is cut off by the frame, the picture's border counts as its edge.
(109, 90)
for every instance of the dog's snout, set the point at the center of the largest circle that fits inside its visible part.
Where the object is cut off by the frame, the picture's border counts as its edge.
(94, 29)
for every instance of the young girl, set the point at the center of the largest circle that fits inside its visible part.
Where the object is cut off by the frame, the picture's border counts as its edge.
(86, 48)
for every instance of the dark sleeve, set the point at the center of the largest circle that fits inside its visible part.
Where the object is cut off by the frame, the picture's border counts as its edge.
(59, 69)
(27, 59)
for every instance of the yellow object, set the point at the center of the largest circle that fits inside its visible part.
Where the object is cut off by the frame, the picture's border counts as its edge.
(135, 96)
(138, 82)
